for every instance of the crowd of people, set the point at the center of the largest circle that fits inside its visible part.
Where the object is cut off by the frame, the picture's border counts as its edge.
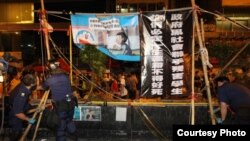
(120, 85)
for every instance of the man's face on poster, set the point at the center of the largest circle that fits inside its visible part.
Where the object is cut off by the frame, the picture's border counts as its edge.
(119, 39)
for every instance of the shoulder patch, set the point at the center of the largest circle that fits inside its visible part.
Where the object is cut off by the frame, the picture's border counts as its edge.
(22, 94)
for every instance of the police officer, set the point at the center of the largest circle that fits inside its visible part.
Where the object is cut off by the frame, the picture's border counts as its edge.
(63, 100)
(19, 101)
(235, 97)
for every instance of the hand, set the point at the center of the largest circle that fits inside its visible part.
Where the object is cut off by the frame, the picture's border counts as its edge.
(38, 87)
(31, 121)
(40, 109)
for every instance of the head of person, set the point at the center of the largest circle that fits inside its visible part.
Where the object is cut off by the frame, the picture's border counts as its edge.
(54, 67)
(7, 56)
(3, 65)
(121, 37)
(29, 80)
(221, 80)
(53, 64)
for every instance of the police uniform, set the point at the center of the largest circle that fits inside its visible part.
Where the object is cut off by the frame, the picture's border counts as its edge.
(64, 103)
(238, 98)
(19, 102)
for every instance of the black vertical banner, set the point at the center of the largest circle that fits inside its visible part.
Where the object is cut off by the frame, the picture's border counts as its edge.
(166, 53)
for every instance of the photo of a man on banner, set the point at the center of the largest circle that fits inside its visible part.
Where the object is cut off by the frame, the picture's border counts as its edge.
(117, 36)
(121, 44)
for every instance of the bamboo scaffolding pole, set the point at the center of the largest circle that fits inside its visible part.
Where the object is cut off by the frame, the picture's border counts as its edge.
(4, 75)
(44, 24)
(70, 54)
(46, 31)
(203, 33)
(193, 73)
(26, 131)
(204, 65)
(35, 109)
(40, 117)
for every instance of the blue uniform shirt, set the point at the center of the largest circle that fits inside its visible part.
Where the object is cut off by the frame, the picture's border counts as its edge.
(19, 98)
(59, 85)
(234, 95)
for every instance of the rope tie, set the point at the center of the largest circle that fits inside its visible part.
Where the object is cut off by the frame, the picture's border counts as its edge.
(206, 57)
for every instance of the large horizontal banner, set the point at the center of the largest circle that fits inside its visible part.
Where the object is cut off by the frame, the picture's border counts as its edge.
(116, 35)
(166, 53)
